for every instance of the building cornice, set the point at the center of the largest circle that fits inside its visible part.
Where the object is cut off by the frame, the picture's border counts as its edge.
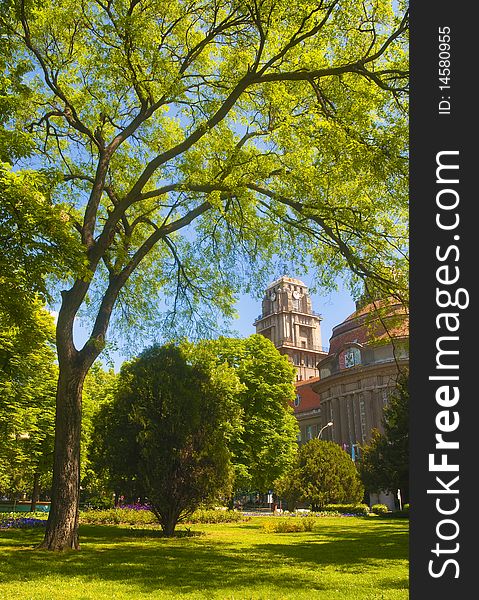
(352, 373)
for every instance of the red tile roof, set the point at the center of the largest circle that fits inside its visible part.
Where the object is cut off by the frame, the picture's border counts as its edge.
(372, 324)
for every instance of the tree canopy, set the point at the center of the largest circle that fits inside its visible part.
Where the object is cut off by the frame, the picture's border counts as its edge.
(264, 445)
(266, 126)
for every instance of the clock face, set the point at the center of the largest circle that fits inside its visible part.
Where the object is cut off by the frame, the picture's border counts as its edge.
(296, 294)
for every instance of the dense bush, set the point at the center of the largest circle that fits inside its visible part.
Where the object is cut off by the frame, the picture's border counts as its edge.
(360, 510)
(143, 516)
(216, 516)
(116, 516)
(379, 509)
(289, 525)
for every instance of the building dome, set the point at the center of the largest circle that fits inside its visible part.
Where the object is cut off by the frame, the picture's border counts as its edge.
(375, 323)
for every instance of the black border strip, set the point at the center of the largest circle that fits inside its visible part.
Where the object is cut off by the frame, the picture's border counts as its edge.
(450, 128)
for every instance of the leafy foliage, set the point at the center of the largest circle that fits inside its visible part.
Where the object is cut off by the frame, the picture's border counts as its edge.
(379, 509)
(28, 375)
(262, 427)
(98, 391)
(146, 517)
(290, 525)
(264, 445)
(180, 415)
(358, 509)
(36, 241)
(323, 473)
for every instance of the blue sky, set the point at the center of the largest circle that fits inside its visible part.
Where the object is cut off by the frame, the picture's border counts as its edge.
(334, 307)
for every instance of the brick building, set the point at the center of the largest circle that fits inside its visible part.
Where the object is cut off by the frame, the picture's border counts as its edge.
(307, 410)
(348, 386)
(367, 352)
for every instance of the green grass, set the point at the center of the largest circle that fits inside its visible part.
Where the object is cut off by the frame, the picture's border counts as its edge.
(345, 558)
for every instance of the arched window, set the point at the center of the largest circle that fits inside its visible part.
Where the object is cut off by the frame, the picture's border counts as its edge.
(352, 357)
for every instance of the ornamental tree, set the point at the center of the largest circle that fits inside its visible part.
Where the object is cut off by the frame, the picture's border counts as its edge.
(168, 429)
(323, 473)
(193, 142)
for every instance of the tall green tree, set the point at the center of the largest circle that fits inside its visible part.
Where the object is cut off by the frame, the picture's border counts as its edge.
(323, 473)
(265, 444)
(384, 464)
(28, 377)
(100, 387)
(193, 138)
(180, 416)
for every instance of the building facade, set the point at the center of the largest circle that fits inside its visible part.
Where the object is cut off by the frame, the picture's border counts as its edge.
(340, 394)
(367, 353)
(288, 320)
(307, 410)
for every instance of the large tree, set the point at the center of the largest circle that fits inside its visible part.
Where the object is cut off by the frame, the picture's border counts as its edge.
(167, 432)
(263, 430)
(265, 444)
(192, 137)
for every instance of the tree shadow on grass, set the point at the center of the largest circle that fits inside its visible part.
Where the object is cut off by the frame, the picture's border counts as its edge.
(145, 561)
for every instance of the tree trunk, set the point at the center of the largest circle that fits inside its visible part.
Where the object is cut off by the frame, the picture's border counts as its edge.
(168, 519)
(62, 527)
(169, 525)
(35, 491)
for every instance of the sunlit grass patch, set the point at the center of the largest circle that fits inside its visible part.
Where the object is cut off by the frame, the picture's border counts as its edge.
(342, 558)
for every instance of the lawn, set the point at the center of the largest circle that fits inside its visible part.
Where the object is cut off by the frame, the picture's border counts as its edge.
(347, 558)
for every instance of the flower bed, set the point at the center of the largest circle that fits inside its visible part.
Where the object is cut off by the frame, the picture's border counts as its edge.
(13, 521)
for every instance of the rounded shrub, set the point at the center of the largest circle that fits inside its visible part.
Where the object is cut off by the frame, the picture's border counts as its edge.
(290, 525)
(356, 509)
(379, 509)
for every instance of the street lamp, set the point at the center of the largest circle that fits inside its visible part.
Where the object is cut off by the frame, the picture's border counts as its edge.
(330, 424)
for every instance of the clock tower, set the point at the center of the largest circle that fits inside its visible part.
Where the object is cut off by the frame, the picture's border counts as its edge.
(287, 319)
